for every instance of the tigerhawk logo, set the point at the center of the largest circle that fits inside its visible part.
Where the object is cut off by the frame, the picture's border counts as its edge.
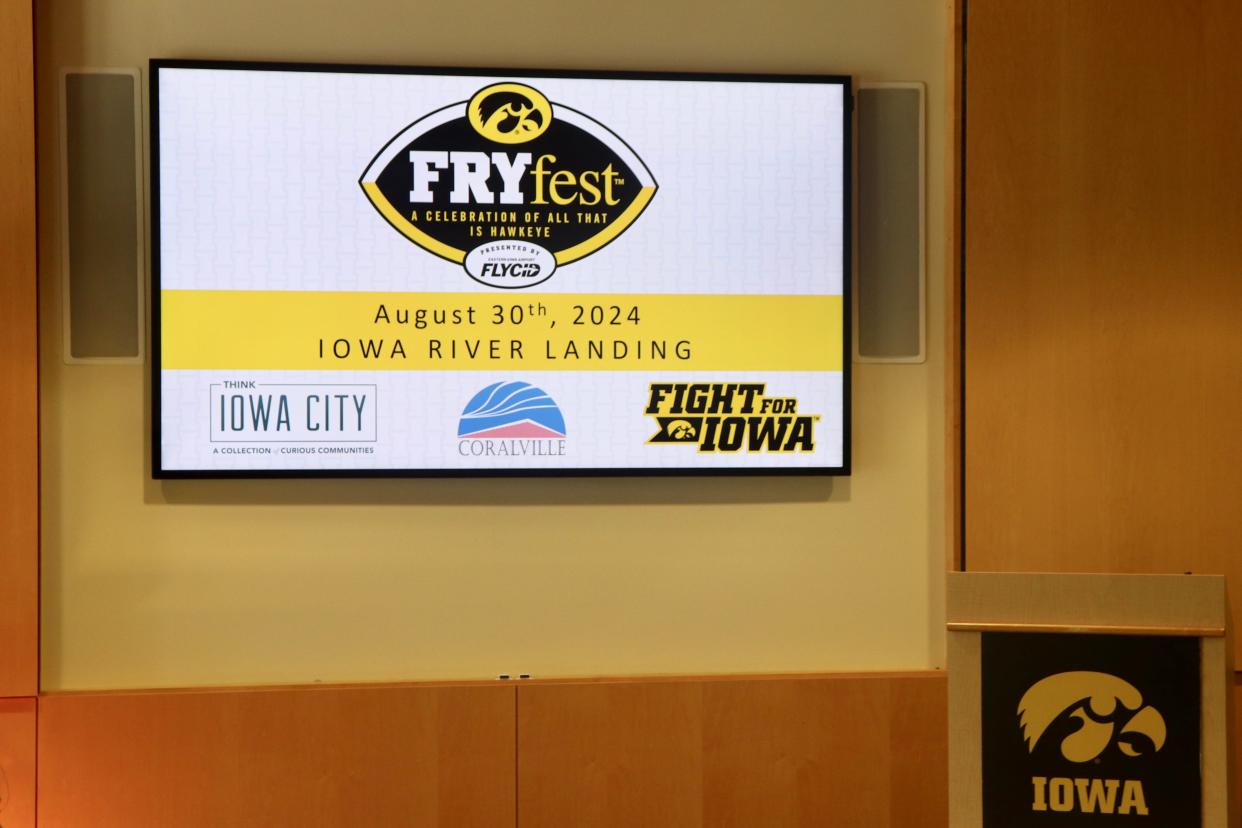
(1101, 703)
(1109, 711)
(728, 417)
(508, 184)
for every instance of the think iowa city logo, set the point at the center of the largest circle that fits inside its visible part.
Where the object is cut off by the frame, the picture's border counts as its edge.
(1080, 747)
(508, 184)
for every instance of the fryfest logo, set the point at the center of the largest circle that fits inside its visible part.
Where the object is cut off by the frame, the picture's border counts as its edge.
(1109, 713)
(728, 417)
(508, 184)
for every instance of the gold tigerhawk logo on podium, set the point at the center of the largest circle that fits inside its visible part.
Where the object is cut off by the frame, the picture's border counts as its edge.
(1111, 711)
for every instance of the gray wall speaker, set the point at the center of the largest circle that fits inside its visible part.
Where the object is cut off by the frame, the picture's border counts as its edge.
(890, 283)
(101, 217)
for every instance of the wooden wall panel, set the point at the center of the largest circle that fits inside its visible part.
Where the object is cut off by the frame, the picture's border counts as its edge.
(1103, 254)
(19, 412)
(1237, 741)
(364, 756)
(953, 289)
(867, 751)
(17, 763)
(862, 750)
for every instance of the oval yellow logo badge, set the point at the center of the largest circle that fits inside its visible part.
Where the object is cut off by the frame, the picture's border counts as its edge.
(509, 113)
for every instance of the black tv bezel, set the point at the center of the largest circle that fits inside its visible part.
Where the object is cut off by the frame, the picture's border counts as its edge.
(160, 473)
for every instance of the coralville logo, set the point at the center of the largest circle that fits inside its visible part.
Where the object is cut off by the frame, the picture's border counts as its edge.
(511, 419)
(508, 184)
(1080, 747)
(1109, 711)
(728, 417)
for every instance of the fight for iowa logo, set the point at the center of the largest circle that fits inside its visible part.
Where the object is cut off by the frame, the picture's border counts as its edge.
(728, 417)
(1109, 713)
(511, 419)
(508, 184)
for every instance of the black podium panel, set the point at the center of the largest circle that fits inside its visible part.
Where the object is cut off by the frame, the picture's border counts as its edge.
(1090, 730)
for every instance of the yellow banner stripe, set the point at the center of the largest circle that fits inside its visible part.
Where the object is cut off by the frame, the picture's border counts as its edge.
(273, 330)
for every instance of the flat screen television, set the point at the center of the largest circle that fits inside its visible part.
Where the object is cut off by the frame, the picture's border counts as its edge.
(383, 271)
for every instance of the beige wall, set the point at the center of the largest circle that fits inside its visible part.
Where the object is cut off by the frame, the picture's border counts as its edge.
(185, 583)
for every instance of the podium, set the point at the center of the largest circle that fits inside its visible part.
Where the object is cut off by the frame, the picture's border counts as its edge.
(1080, 700)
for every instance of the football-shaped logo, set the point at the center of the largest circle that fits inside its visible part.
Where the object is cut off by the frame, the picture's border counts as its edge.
(508, 166)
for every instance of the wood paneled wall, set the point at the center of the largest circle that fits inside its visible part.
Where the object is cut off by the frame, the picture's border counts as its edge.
(1103, 287)
(842, 750)
(19, 422)
(866, 751)
(17, 762)
(19, 399)
(823, 751)
(383, 756)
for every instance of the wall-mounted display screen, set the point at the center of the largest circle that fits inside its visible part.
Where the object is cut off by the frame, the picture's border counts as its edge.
(373, 271)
